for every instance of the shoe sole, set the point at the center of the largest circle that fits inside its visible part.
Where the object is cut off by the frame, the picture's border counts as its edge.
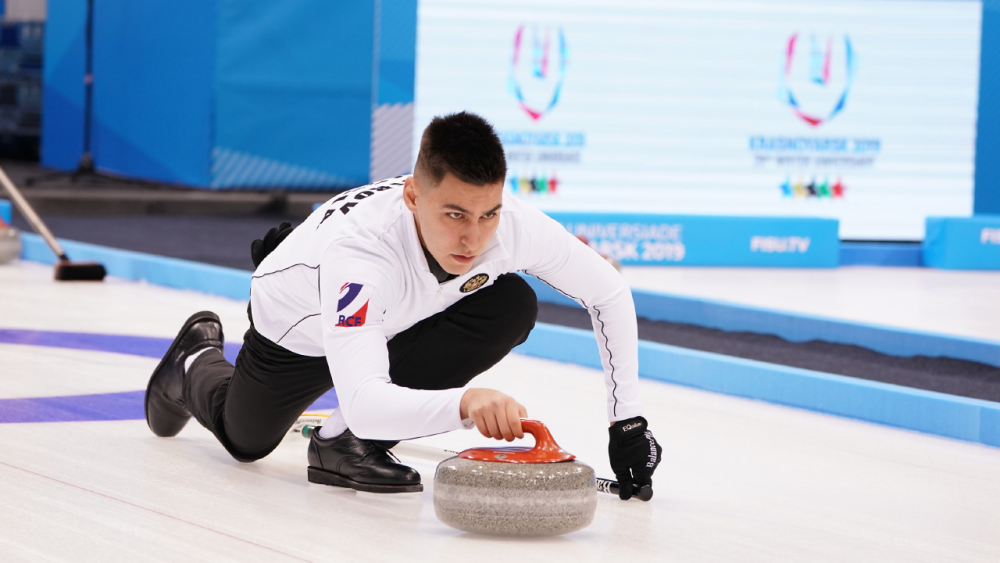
(324, 477)
(193, 319)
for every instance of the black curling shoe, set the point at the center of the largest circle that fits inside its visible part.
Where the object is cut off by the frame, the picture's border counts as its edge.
(166, 414)
(362, 465)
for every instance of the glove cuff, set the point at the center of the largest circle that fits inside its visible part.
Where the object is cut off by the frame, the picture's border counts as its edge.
(626, 428)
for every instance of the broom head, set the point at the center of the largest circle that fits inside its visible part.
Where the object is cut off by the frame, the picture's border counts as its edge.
(79, 271)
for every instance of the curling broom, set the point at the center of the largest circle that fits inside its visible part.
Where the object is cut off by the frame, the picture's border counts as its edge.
(65, 269)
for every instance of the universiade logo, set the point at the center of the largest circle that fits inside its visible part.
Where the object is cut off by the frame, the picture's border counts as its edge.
(815, 84)
(781, 245)
(538, 70)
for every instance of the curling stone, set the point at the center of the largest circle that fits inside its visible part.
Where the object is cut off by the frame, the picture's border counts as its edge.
(539, 491)
(10, 244)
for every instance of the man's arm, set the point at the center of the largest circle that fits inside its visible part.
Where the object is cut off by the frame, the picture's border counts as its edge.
(356, 287)
(373, 407)
(559, 259)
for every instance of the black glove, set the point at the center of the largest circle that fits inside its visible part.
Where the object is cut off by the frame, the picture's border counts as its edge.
(634, 455)
(259, 249)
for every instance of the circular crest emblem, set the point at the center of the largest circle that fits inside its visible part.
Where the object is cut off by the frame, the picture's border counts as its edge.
(474, 283)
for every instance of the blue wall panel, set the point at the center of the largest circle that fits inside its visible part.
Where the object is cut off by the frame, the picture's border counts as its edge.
(397, 51)
(987, 194)
(294, 98)
(226, 93)
(153, 67)
(62, 84)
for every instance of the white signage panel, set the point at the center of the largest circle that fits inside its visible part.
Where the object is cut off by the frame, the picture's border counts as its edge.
(863, 111)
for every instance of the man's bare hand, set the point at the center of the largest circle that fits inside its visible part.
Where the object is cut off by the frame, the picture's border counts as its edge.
(496, 415)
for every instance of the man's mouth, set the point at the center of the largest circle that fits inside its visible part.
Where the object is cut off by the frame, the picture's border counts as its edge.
(463, 259)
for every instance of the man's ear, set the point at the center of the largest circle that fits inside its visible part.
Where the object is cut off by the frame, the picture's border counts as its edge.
(411, 191)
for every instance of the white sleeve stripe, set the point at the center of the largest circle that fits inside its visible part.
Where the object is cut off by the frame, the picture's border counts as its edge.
(606, 346)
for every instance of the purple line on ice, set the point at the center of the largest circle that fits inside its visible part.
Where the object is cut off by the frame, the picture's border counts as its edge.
(127, 405)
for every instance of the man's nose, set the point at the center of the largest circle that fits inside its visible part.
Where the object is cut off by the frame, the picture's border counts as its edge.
(472, 236)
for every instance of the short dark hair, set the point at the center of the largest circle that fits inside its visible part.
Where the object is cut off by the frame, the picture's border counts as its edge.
(464, 145)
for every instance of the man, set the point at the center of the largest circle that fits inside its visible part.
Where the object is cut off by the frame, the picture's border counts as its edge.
(398, 294)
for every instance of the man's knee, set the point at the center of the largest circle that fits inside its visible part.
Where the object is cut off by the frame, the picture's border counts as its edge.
(248, 457)
(245, 444)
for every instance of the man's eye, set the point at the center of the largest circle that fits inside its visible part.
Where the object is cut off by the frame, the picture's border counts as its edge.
(489, 215)
(455, 215)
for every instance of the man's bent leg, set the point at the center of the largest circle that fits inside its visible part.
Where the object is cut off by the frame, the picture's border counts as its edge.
(250, 406)
(166, 411)
(448, 349)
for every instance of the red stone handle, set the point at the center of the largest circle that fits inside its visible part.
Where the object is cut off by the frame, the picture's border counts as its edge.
(546, 450)
(545, 444)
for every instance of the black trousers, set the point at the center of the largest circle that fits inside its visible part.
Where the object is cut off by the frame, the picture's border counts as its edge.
(250, 406)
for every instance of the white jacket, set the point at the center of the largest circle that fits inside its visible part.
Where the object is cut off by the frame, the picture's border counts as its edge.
(354, 275)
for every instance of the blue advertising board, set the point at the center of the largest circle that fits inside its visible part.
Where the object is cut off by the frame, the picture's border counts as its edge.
(693, 240)
(963, 243)
(5, 212)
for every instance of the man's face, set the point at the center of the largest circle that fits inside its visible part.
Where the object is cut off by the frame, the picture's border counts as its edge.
(455, 220)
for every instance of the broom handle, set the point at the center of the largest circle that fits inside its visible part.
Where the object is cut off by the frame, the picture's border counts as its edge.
(31, 216)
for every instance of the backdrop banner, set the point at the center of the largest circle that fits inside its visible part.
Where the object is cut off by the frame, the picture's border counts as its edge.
(861, 110)
(690, 240)
(963, 243)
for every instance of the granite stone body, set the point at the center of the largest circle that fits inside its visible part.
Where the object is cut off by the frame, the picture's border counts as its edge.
(515, 499)
(10, 244)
